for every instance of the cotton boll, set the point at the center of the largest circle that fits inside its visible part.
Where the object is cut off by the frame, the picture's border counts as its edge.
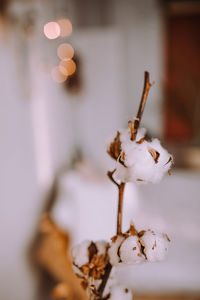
(80, 253)
(130, 251)
(138, 165)
(113, 251)
(118, 292)
(155, 245)
(121, 137)
(143, 161)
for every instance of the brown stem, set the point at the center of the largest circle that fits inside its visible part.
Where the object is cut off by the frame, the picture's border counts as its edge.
(110, 175)
(146, 88)
(120, 207)
(121, 188)
(104, 280)
(119, 231)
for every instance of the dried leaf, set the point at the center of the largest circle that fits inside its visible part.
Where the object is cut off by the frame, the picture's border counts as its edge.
(155, 154)
(142, 140)
(122, 157)
(167, 237)
(141, 233)
(92, 249)
(96, 267)
(115, 147)
(133, 230)
(170, 159)
(114, 238)
(84, 284)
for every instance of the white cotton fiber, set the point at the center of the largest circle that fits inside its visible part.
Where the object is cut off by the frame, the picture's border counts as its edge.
(113, 251)
(144, 161)
(80, 253)
(101, 247)
(119, 292)
(121, 173)
(130, 251)
(155, 245)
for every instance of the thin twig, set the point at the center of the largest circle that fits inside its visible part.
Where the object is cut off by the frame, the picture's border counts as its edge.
(120, 200)
(120, 207)
(110, 176)
(119, 231)
(146, 88)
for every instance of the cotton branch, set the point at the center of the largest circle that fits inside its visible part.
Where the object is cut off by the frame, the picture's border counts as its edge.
(120, 207)
(120, 200)
(93, 261)
(116, 149)
(110, 176)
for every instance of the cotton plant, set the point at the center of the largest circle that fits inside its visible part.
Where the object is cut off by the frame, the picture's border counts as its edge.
(138, 160)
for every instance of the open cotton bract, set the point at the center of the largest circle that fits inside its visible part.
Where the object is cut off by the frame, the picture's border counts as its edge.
(140, 160)
(134, 248)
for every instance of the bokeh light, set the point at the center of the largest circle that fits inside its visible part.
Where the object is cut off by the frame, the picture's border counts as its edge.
(65, 27)
(52, 30)
(67, 67)
(65, 51)
(57, 75)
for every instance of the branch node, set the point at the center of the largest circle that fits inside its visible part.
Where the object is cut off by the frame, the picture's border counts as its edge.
(110, 176)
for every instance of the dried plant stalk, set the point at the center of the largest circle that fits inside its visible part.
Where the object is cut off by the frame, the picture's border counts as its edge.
(115, 152)
(135, 125)
(120, 207)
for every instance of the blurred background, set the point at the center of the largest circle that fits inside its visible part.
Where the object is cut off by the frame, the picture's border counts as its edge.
(71, 74)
